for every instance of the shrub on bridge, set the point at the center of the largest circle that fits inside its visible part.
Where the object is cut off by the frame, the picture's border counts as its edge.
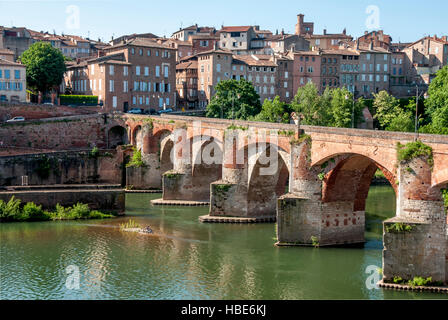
(79, 100)
(414, 150)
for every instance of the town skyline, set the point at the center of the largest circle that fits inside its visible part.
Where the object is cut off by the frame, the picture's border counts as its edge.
(393, 17)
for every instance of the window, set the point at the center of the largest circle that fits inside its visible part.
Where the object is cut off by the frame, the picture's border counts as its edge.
(148, 53)
(385, 78)
(147, 101)
(125, 86)
(132, 51)
(157, 71)
(134, 100)
(111, 85)
(385, 57)
(137, 70)
(287, 94)
(166, 71)
(286, 74)
(111, 70)
(125, 70)
(7, 74)
(146, 71)
(317, 42)
(218, 67)
(368, 56)
(140, 100)
(114, 101)
(377, 78)
(140, 52)
(100, 84)
(17, 74)
(160, 102)
(378, 67)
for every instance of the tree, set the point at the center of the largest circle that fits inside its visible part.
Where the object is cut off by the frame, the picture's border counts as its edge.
(437, 104)
(273, 111)
(403, 119)
(45, 66)
(342, 108)
(313, 108)
(386, 107)
(234, 99)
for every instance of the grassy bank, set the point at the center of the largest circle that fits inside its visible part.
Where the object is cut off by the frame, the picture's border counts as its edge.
(13, 210)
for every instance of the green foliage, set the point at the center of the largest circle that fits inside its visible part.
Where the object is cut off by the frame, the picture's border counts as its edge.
(235, 127)
(307, 102)
(33, 212)
(222, 188)
(437, 103)
(241, 94)
(404, 119)
(94, 153)
(10, 211)
(420, 281)
(80, 100)
(414, 150)
(390, 113)
(136, 160)
(289, 133)
(342, 108)
(445, 198)
(77, 212)
(131, 224)
(321, 176)
(315, 241)
(334, 108)
(171, 175)
(398, 280)
(45, 66)
(398, 227)
(273, 111)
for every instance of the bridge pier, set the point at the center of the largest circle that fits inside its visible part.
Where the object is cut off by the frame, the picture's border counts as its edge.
(415, 241)
(303, 218)
(148, 176)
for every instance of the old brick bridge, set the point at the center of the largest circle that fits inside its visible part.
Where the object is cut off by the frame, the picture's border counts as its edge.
(317, 192)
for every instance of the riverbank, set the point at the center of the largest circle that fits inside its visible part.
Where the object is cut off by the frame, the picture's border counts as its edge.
(14, 211)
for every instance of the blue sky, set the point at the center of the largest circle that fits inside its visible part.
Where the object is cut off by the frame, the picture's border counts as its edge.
(403, 19)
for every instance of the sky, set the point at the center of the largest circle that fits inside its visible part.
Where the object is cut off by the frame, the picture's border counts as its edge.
(404, 20)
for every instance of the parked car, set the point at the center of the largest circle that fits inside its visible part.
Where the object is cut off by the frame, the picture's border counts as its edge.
(16, 119)
(166, 111)
(135, 111)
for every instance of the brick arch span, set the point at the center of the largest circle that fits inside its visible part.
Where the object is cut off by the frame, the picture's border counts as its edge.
(264, 188)
(348, 178)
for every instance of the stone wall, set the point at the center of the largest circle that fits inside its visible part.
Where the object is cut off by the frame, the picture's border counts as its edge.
(33, 111)
(69, 167)
(66, 133)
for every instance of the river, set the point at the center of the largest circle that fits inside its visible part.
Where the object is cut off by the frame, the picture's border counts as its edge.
(186, 259)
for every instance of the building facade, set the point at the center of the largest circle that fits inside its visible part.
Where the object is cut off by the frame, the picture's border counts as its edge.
(12, 81)
(139, 73)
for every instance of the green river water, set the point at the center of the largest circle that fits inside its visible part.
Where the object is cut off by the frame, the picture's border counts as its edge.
(186, 259)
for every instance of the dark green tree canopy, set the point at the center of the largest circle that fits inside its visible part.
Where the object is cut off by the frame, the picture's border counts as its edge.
(45, 66)
(240, 93)
(273, 111)
(437, 104)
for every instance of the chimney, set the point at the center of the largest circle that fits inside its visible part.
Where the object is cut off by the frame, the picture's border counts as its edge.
(366, 32)
(344, 32)
(371, 45)
(325, 31)
(445, 38)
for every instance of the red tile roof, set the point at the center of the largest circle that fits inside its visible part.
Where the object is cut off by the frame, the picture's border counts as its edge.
(236, 29)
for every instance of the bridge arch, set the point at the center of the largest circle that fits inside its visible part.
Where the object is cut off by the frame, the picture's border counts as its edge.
(348, 177)
(163, 140)
(117, 135)
(137, 137)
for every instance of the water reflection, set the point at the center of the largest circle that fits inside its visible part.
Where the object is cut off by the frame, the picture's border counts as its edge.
(185, 259)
